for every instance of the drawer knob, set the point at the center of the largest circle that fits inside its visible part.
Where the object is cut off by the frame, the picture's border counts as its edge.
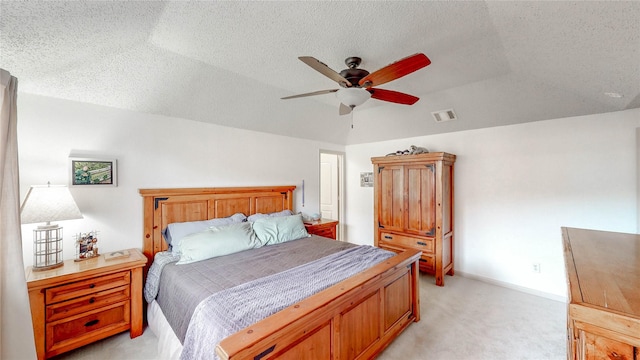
(92, 322)
(422, 243)
(92, 286)
(388, 237)
(92, 300)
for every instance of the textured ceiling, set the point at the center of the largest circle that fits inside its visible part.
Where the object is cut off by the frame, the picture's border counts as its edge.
(229, 63)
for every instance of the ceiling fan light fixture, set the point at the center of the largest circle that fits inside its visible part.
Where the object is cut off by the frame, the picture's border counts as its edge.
(353, 96)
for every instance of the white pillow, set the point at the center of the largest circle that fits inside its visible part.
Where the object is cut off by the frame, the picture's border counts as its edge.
(274, 230)
(218, 241)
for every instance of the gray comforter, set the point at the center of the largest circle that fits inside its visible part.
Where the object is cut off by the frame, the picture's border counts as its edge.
(182, 287)
(233, 309)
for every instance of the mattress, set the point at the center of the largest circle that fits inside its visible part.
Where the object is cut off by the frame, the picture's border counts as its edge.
(183, 287)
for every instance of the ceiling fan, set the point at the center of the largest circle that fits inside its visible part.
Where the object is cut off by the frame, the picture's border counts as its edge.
(357, 85)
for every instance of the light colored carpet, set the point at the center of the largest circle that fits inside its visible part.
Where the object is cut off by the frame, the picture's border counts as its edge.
(464, 320)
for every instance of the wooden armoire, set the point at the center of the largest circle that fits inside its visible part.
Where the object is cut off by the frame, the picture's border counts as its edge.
(413, 207)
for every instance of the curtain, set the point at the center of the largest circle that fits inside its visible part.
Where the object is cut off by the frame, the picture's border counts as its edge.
(16, 331)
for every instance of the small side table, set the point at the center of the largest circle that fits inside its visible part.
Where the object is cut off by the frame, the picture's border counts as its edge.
(322, 227)
(82, 302)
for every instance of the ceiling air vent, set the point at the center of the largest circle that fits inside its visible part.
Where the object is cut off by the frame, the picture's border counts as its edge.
(444, 115)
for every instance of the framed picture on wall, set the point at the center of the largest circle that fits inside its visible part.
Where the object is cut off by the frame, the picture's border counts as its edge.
(366, 179)
(93, 172)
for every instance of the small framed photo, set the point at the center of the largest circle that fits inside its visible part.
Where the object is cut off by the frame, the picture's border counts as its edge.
(366, 179)
(93, 172)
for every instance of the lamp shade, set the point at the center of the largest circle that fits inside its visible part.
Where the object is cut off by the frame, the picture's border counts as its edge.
(46, 203)
(353, 96)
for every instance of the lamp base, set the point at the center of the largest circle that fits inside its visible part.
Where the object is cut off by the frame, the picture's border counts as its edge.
(47, 247)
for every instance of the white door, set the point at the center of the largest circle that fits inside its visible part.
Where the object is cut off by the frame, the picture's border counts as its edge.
(329, 191)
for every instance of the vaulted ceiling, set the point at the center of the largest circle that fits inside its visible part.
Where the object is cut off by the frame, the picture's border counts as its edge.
(229, 63)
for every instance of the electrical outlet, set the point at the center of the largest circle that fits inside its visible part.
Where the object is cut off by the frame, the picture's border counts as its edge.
(535, 267)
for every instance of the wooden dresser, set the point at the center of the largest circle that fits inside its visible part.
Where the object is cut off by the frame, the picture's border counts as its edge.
(322, 227)
(603, 274)
(82, 302)
(413, 207)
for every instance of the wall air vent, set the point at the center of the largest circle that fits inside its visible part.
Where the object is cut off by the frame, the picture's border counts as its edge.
(444, 115)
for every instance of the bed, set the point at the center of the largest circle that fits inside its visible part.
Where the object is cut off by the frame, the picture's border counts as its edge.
(353, 319)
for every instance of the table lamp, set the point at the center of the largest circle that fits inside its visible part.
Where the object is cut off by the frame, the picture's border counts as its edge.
(47, 203)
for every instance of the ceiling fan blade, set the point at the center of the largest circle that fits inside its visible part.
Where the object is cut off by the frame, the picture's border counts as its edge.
(393, 96)
(310, 94)
(322, 68)
(396, 70)
(344, 109)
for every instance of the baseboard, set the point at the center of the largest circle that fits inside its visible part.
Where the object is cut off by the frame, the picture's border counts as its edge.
(507, 285)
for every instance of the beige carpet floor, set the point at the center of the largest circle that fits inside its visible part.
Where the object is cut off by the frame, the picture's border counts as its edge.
(464, 320)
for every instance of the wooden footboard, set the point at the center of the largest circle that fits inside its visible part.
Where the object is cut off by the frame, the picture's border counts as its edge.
(354, 319)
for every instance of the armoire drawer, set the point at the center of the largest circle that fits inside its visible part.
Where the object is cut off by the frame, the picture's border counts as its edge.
(86, 287)
(422, 244)
(427, 264)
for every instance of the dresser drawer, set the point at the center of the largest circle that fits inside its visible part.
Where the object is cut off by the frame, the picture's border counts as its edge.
(422, 244)
(86, 303)
(81, 328)
(86, 287)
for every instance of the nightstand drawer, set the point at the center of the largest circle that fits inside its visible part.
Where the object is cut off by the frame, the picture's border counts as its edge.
(86, 303)
(322, 227)
(326, 232)
(422, 244)
(80, 329)
(86, 287)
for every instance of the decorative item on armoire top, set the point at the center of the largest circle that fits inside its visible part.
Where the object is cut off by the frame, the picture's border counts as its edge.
(86, 245)
(412, 150)
(93, 172)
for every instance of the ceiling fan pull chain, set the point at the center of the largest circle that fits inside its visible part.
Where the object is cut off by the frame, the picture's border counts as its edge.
(352, 119)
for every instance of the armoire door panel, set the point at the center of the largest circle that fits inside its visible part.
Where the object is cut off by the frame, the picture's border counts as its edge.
(391, 194)
(421, 185)
(447, 195)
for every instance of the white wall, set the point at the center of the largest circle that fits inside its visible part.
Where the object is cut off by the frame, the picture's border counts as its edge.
(638, 174)
(515, 186)
(152, 152)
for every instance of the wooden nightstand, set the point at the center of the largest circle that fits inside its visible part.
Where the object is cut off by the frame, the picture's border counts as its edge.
(82, 302)
(322, 227)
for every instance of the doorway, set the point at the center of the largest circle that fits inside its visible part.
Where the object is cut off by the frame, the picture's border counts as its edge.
(331, 188)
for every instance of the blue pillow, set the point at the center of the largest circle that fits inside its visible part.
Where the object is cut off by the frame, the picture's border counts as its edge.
(257, 216)
(218, 241)
(174, 233)
(274, 230)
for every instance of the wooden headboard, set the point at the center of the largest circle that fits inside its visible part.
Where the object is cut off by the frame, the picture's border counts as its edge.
(165, 206)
